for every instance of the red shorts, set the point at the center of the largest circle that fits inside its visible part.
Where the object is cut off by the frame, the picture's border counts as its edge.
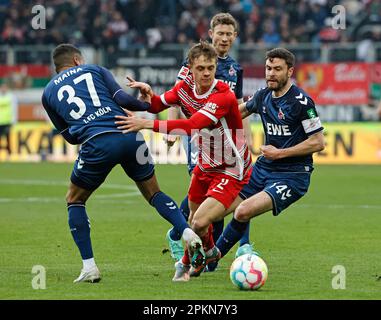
(219, 186)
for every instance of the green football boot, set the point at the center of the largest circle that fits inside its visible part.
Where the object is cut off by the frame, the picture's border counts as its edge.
(246, 248)
(175, 247)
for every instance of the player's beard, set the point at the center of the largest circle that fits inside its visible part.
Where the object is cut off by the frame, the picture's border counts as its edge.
(280, 84)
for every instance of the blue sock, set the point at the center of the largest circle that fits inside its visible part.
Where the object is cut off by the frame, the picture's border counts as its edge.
(184, 207)
(246, 236)
(169, 210)
(231, 235)
(80, 229)
(218, 227)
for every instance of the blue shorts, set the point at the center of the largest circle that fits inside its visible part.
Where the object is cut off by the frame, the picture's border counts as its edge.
(284, 188)
(191, 150)
(100, 154)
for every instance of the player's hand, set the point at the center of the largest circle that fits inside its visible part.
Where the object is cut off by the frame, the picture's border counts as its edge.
(131, 123)
(145, 98)
(144, 88)
(270, 152)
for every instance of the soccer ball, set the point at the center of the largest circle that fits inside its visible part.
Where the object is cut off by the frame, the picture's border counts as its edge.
(248, 272)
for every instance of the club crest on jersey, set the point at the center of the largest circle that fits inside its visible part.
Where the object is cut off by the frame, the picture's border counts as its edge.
(232, 71)
(281, 114)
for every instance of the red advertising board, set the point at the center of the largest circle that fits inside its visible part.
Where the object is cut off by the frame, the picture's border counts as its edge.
(31, 70)
(375, 72)
(336, 83)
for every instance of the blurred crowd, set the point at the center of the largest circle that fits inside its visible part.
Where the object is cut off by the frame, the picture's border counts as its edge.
(121, 24)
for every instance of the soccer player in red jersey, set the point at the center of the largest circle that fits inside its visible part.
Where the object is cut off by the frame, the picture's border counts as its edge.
(223, 32)
(224, 164)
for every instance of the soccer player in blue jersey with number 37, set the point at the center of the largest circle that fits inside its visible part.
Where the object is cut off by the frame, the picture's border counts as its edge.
(281, 175)
(82, 101)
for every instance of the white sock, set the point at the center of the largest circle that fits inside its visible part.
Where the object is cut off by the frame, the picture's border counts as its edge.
(189, 234)
(88, 263)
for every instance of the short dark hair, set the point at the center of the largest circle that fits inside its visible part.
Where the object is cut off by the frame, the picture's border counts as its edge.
(203, 48)
(223, 18)
(282, 53)
(63, 55)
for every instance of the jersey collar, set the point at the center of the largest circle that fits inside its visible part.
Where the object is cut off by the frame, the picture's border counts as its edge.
(203, 96)
(272, 93)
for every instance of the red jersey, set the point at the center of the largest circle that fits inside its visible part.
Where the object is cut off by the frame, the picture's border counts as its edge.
(215, 117)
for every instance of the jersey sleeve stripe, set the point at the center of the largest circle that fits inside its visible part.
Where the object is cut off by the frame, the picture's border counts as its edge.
(115, 93)
(162, 98)
(211, 117)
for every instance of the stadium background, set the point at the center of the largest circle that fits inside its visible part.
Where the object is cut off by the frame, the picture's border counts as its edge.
(339, 67)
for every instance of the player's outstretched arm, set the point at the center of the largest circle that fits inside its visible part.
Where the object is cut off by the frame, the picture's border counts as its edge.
(173, 113)
(243, 110)
(131, 123)
(121, 97)
(314, 143)
(144, 88)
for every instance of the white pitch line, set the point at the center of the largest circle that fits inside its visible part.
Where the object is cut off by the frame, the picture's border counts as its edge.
(60, 183)
(62, 200)
(339, 206)
(117, 195)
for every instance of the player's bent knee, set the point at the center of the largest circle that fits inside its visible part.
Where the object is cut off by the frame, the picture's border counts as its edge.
(70, 198)
(199, 226)
(242, 213)
(76, 194)
(148, 188)
(73, 197)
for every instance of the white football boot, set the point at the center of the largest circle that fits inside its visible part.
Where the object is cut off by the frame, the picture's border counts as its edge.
(182, 272)
(92, 275)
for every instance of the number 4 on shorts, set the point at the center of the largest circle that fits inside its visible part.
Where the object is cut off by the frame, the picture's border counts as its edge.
(282, 189)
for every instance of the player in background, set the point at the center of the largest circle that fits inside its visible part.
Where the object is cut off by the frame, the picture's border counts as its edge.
(8, 115)
(293, 131)
(82, 101)
(223, 32)
(224, 160)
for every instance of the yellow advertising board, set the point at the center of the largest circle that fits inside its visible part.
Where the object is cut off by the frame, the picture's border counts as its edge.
(346, 143)
(352, 143)
(36, 141)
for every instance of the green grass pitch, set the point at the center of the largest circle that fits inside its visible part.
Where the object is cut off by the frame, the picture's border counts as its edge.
(336, 224)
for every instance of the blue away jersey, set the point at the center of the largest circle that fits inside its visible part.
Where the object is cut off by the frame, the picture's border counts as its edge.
(82, 102)
(287, 121)
(228, 70)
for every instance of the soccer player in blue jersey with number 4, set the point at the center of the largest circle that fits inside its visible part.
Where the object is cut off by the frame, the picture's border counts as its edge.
(281, 175)
(82, 101)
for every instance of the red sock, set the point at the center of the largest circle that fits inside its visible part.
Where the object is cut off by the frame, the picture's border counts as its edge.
(185, 259)
(207, 239)
(211, 240)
